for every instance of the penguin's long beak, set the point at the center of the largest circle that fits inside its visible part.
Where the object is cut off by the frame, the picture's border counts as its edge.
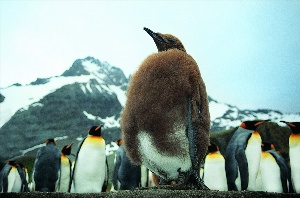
(154, 35)
(259, 123)
(288, 123)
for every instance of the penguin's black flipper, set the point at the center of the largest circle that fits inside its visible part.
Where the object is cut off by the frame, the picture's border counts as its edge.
(1, 181)
(194, 172)
(243, 167)
(5, 171)
(284, 170)
(105, 184)
(116, 170)
(74, 168)
(23, 178)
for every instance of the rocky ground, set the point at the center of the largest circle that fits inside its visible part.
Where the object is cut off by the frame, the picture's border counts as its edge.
(153, 193)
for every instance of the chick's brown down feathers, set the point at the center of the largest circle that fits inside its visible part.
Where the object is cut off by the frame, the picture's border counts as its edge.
(158, 97)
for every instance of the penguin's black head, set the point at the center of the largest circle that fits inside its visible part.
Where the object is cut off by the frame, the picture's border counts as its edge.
(95, 130)
(265, 146)
(165, 42)
(295, 126)
(67, 149)
(212, 147)
(48, 141)
(252, 125)
(12, 163)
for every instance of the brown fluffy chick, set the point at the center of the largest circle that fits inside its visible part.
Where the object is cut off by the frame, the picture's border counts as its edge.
(165, 122)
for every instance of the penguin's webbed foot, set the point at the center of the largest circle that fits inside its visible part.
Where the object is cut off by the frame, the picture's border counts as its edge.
(191, 179)
(196, 181)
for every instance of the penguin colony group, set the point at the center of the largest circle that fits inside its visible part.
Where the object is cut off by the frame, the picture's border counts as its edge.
(53, 170)
(165, 129)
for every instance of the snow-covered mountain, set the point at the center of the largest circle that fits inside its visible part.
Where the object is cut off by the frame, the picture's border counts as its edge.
(90, 93)
(225, 116)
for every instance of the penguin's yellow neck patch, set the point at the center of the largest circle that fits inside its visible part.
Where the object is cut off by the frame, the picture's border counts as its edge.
(64, 159)
(294, 139)
(95, 140)
(215, 155)
(256, 135)
(267, 156)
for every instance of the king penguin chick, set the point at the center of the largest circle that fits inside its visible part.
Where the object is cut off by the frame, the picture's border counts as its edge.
(13, 178)
(214, 169)
(46, 168)
(165, 121)
(274, 172)
(90, 172)
(294, 153)
(242, 158)
(66, 167)
(128, 174)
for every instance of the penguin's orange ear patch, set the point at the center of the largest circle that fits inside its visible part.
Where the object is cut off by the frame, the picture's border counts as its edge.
(119, 142)
(243, 125)
(272, 146)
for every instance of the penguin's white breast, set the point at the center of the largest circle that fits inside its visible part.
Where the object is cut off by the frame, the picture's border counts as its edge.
(90, 165)
(214, 172)
(65, 174)
(294, 153)
(14, 180)
(270, 174)
(253, 155)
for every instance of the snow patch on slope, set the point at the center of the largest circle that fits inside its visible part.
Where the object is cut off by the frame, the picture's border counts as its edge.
(109, 122)
(18, 97)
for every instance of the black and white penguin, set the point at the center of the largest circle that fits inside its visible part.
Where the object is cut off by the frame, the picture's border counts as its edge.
(214, 169)
(243, 155)
(13, 178)
(294, 153)
(165, 121)
(46, 168)
(90, 172)
(66, 169)
(24, 176)
(125, 172)
(274, 174)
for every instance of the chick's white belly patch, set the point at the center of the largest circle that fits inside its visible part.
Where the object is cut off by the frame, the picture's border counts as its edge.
(161, 163)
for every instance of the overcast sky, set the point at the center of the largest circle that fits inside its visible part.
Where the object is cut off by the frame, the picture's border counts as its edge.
(248, 52)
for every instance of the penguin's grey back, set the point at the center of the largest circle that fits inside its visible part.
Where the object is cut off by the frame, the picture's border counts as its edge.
(47, 168)
(236, 143)
(129, 175)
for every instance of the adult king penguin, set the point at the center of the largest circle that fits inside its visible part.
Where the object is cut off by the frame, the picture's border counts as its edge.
(46, 168)
(13, 178)
(214, 169)
(165, 121)
(66, 167)
(90, 172)
(274, 172)
(242, 158)
(125, 172)
(294, 153)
